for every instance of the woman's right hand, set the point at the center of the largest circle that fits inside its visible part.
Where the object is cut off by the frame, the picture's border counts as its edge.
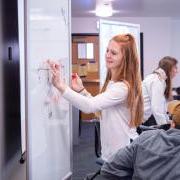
(76, 83)
(57, 79)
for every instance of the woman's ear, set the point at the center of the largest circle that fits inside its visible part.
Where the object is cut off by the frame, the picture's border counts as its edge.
(172, 124)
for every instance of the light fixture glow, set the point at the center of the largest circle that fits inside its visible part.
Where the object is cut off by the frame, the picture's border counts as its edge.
(104, 10)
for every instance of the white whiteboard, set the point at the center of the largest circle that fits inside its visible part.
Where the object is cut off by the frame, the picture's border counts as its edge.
(49, 118)
(108, 29)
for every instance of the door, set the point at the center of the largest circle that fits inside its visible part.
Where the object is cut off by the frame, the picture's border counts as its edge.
(85, 62)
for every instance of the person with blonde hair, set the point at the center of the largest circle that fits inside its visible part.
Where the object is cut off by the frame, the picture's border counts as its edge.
(120, 101)
(154, 155)
(157, 91)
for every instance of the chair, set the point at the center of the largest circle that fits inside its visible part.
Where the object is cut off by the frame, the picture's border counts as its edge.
(171, 106)
(176, 97)
(142, 128)
(97, 142)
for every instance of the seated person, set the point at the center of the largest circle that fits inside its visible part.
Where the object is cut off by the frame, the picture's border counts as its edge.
(153, 155)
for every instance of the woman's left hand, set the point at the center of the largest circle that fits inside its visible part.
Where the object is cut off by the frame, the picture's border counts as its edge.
(57, 78)
(76, 83)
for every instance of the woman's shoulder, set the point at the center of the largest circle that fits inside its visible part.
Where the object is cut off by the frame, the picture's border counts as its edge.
(154, 77)
(117, 89)
(119, 84)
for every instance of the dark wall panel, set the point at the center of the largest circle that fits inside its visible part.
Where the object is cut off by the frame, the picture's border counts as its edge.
(1, 99)
(11, 79)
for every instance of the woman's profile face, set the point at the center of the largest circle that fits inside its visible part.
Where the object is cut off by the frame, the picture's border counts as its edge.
(174, 71)
(113, 55)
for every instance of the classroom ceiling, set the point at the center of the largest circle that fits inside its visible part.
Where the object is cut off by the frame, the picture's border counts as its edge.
(129, 8)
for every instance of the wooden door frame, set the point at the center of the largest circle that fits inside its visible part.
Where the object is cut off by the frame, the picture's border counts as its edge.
(88, 84)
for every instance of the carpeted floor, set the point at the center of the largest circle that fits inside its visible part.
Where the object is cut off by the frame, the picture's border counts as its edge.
(83, 154)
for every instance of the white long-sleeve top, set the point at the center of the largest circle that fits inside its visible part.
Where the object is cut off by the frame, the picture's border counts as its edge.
(154, 100)
(115, 116)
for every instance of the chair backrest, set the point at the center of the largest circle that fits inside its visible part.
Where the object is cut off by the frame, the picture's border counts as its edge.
(97, 139)
(142, 128)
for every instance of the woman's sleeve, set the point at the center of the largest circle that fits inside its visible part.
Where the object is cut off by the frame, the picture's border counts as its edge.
(115, 94)
(86, 93)
(158, 102)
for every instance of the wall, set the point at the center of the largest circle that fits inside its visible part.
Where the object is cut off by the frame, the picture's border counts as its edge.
(22, 72)
(159, 37)
(175, 40)
(9, 89)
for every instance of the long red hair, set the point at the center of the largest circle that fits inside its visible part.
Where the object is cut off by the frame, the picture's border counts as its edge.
(129, 72)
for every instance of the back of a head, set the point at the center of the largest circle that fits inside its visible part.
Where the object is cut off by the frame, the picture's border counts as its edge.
(176, 114)
(174, 111)
(167, 63)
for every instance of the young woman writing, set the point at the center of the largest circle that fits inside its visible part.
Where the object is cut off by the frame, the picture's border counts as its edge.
(120, 101)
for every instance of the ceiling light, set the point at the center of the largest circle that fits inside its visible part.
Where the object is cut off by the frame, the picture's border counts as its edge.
(104, 10)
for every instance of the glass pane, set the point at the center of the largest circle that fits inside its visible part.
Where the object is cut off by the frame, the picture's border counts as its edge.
(81, 50)
(90, 51)
(85, 51)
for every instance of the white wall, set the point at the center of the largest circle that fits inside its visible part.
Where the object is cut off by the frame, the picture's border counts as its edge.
(159, 37)
(22, 72)
(175, 47)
